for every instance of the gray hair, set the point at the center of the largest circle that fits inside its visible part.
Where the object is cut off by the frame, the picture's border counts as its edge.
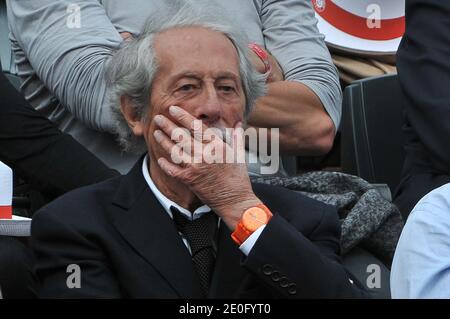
(131, 69)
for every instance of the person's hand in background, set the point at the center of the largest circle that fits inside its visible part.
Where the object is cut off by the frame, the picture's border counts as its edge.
(276, 73)
(309, 132)
(126, 36)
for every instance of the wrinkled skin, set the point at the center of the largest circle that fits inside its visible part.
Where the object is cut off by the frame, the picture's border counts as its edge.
(203, 85)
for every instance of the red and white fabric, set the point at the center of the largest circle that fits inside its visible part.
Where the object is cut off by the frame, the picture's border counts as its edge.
(363, 26)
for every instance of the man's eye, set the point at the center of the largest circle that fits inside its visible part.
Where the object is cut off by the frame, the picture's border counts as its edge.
(226, 88)
(187, 88)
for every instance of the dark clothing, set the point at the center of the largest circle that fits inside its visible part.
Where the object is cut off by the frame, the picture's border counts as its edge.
(50, 161)
(16, 263)
(37, 151)
(416, 186)
(126, 245)
(424, 72)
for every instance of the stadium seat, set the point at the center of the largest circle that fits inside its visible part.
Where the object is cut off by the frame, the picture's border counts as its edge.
(290, 165)
(372, 137)
(369, 271)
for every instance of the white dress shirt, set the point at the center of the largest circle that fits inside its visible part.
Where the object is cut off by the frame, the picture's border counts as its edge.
(166, 203)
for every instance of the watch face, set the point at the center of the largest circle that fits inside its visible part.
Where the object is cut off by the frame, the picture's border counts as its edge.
(254, 217)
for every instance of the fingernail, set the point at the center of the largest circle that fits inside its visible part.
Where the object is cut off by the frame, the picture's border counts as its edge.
(159, 120)
(174, 110)
(196, 125)
(158, 135)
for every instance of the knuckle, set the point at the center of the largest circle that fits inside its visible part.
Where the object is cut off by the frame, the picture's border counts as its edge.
(187, 176)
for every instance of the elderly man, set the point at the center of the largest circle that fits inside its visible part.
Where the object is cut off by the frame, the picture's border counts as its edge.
(187, 230)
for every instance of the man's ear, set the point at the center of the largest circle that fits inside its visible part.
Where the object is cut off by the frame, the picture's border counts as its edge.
(128, 111)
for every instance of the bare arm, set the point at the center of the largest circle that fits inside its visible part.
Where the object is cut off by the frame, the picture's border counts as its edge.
(306, 103)
(305, 126)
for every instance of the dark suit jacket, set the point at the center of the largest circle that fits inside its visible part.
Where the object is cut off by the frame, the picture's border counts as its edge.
(127, 246)
(423, 63)
(51, 161)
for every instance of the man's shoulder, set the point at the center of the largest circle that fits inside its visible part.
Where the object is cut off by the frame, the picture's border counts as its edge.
(434, 205)
(88, 201)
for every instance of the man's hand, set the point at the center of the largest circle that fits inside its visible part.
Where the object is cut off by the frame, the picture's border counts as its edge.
(225, 187)
(304, 125)
(275, 75)
(126, 36)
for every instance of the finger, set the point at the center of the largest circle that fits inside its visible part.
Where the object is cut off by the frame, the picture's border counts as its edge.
(214, 133)
(238, 144)
(175, 132)
(126, 36)
(277, 73)
(256, 62)
(169, 168)
(185, 119)
(183, 138)
(177, 153)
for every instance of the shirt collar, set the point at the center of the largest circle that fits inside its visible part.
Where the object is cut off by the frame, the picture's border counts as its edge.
(167, 203)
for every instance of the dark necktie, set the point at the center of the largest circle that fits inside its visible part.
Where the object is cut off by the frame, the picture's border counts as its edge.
(199, 233)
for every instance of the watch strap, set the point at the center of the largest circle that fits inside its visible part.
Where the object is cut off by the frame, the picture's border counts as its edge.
(241, 233)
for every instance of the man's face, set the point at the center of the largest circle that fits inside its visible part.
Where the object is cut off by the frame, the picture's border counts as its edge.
(199, 72)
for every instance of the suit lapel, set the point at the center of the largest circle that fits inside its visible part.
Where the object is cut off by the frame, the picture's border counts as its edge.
(145, 225)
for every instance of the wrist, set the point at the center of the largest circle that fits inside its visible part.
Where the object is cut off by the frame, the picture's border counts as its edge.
(253, 219)
(263, 56)
(232, 214)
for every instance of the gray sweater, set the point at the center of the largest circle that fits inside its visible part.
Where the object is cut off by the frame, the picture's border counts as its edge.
(62, 66)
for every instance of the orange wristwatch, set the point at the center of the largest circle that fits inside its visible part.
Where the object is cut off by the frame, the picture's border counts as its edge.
(253, 218)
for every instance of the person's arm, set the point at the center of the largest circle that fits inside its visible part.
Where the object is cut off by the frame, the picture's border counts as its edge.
(57, 245)
(36, 150)
(310, 264)
(310, 267)
(69, 58)
(424, 74)
(306, 106)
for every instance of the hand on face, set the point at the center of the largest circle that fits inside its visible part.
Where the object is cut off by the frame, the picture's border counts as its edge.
(225, 187)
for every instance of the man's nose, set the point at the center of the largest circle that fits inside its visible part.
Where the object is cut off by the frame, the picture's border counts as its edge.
(209, 109)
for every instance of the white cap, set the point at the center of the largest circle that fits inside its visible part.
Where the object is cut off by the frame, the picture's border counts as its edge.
(362, 26)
